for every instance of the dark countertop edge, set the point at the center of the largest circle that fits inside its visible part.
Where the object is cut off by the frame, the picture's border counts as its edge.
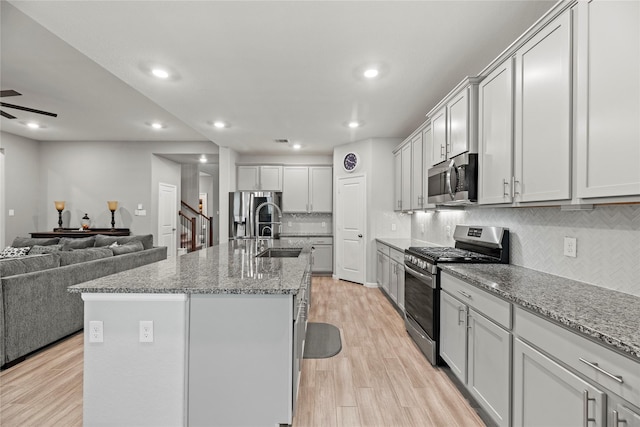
(560, 319)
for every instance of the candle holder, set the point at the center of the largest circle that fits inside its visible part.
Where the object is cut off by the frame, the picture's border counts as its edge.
(59, 204)
(113, 205)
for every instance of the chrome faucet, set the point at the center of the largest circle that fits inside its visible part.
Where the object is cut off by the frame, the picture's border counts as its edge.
(270, 225)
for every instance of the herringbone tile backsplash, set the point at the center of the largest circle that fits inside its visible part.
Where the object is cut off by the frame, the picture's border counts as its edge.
(608, 240)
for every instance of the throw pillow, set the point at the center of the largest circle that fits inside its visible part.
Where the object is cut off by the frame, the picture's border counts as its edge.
(69, 243)
(37, 249)
(146, 239)
(11, 252)
(21, 242)
(127, 248)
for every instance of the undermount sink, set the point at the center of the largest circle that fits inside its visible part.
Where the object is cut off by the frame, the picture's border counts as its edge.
(280, 253)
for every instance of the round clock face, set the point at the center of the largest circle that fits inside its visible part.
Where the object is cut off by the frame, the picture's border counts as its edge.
(350, 162)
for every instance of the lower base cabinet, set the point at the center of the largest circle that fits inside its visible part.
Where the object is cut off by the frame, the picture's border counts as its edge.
(547, 394)
(390, 273)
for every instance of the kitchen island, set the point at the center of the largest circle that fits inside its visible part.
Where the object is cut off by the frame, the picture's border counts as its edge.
(214, 337)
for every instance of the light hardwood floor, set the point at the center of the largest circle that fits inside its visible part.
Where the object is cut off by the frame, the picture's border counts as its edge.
(378, 379)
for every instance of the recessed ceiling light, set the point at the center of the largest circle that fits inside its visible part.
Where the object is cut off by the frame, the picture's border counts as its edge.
(33, 125)
(296, 146)
(156, 125)
(371, 73)
(203, 159)
(353, 125)
(220, 124)
(160, 73)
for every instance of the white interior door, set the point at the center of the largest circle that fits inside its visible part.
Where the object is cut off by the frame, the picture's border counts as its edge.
(2, 212)
(167, 217)
(350, 228)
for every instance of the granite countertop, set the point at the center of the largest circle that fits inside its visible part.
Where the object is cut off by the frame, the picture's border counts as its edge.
(403, 243)
(608, 316)
(230, 268)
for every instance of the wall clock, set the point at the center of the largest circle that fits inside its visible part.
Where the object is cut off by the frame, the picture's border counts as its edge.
(350, 162)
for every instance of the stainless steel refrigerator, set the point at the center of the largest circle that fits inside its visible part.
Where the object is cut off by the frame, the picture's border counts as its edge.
(242, 210)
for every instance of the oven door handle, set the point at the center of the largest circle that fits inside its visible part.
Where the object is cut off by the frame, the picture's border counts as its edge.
(419, 275)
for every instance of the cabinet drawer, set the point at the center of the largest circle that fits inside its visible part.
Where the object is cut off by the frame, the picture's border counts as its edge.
(568, 347)
(491, 306)
(383, 248)
(321, 240)
(397, 256)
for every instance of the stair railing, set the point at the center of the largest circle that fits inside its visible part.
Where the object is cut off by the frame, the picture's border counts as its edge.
(202, 227)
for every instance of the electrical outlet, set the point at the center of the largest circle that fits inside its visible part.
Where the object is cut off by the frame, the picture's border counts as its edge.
(96, 331)
(289, 224)
(146, 331)
(393, 227)
(447, 230)
(324, 224)
(570, 247)
(12, 212)
(422, 228)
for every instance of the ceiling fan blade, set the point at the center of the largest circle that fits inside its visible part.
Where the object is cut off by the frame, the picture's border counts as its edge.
(9, 92)
(7, 115)
(31, 110)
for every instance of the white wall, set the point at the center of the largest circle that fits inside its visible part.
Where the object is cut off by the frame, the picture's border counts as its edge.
(377, 166)
(293, 159)
(608, 240)
(2, 211)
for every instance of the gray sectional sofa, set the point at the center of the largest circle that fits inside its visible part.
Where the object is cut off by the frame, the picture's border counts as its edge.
(35, 307)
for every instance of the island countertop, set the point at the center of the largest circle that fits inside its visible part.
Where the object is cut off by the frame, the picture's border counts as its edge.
(230, 268)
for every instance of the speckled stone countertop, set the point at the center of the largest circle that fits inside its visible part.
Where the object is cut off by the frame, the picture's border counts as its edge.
(610, 317)
(230, 268)
(402, 244)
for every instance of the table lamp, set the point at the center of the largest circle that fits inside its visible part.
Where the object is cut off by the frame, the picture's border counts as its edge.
(113, 205)
(59, 207)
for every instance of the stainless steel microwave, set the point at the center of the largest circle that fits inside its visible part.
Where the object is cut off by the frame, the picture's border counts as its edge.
(454, 182)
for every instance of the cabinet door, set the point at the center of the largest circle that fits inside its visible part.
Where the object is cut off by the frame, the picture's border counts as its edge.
(397, 180)
(608, 98)
(547, 394)
(621, 415)
(427, 144)
(496, 136)
(271, 178)
(417, 197)
(320, 188)
(489, 367)
(439, 134)
(295, 194)
(379, 267)
(400, 275)
(543, 114)
(385, 273)
(458, 124)
(323, 259)
(453, 335)
(393, 281)
(248, 178)
(406, 177)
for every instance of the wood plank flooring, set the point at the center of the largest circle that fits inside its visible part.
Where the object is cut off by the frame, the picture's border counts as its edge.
(378, 379)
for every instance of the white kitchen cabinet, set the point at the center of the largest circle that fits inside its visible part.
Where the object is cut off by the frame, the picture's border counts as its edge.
(383, 267)
(322, 258)
(439, 135)
(548, 394)
(621, 414)
(307, 189)
(406, 177)
(397, 180)
(396, 277)
(427, 144)
(454, 122)
(543, 109)
(259, 178)
(607, 98)
(495, 140)
(417, 171)
(475, 341)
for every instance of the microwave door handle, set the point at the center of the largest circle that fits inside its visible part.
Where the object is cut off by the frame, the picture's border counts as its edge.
(452, 172)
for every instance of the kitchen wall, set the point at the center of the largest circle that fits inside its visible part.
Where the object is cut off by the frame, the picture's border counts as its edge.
(608, 240)
(312, 223)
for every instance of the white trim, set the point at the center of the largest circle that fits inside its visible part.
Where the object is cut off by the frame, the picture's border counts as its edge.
(93, 296)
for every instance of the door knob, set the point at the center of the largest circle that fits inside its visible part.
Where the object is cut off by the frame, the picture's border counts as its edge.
(360, 235)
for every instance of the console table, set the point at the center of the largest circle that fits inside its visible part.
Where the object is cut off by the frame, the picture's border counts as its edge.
(74, 232)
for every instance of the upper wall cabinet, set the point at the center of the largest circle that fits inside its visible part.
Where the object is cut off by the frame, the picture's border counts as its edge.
(454, 122)
(307, 189)
(410, 171)
(607, 98)
(543, 114)
(259, 178)
(417, 172)
(495, 135)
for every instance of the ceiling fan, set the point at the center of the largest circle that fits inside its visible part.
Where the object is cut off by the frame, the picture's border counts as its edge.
(4, 93)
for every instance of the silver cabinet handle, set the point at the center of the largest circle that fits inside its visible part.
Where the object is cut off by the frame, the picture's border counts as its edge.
(515, 182)
(460, 320)
(505, 184)
(464, 294)
(585, 408)
(617, 420)
(595, 366)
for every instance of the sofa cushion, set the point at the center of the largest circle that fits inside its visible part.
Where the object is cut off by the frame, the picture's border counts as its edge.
(11, 252)
(37, 249)
(75, 256)
(127, 248)
(20, 242)
(146, 239)
(11, 267)
(69, 243)
(29, 264)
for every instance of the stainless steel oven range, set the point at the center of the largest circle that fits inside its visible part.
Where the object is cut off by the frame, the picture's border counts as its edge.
(473, 244)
